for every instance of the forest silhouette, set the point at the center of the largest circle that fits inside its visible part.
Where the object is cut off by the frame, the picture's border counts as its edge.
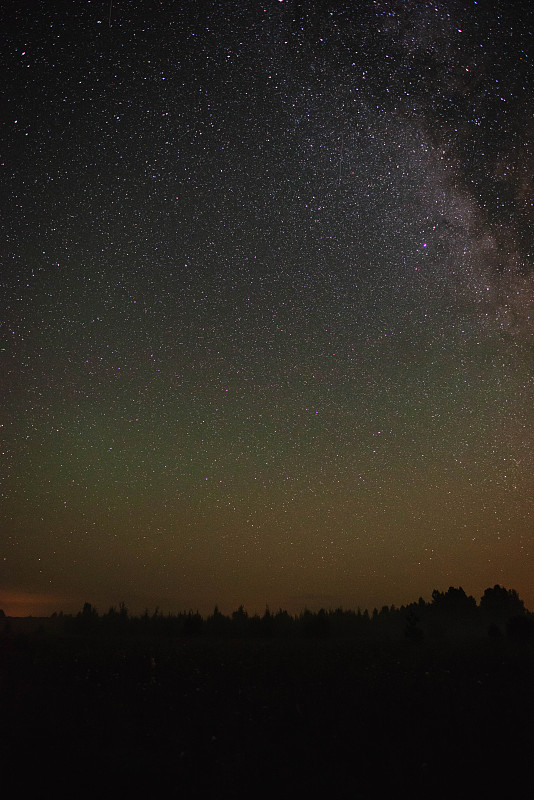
(452, 613)
(432, 699)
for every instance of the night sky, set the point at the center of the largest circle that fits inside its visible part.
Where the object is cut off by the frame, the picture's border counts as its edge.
(266, 303)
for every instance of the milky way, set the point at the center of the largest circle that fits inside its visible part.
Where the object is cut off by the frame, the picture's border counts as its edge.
(267, 303)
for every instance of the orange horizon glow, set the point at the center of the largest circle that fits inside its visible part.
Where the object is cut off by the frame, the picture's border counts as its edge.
(34, 604)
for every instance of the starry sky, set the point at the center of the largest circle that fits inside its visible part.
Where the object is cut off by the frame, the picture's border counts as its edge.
(266, 303)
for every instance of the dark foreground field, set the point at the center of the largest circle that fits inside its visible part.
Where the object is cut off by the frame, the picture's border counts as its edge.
(201, 717)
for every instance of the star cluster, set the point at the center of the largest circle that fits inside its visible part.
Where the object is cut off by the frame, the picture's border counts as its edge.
(267, 302)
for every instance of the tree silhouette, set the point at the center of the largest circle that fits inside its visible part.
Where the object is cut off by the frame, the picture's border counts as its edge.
(450, 613)
(240, 622)
(500, 604)
(454, 602)
(217, 623)
(521, 628)
(412, 630)
(192, 624)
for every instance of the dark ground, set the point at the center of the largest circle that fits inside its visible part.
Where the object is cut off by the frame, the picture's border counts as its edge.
(200, 717)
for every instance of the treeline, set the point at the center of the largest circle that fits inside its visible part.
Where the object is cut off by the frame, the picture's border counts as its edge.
(452, 613)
